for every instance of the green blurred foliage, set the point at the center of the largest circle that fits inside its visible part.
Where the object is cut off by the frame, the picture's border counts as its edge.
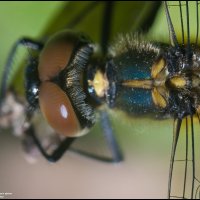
(18, 19)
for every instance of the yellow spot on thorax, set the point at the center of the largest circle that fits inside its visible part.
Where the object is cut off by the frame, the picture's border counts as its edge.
(100, 83)
(157, 68)
(178, 82)
(158, 99)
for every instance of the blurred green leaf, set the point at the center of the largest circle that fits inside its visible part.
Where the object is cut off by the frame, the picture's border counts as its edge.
(20, 19)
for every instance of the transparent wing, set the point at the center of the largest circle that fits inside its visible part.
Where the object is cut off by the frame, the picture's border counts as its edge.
(185, 159)
(183, 21)
(183, 25)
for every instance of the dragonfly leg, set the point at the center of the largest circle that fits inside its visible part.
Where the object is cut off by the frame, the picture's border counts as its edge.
(26, 42)
(57, 153)
(106, 25)
(110, 138)
(116, 154)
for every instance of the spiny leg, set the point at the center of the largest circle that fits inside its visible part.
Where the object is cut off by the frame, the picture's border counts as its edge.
(110, 138)
(106, 26)
(105, 122)
(116, 154)
(57, 153)
(26, 42)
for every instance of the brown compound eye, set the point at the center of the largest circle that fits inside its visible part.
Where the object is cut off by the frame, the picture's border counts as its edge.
(57, 110)
(54, 58)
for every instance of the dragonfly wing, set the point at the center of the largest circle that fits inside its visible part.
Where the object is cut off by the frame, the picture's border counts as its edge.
(183, 21)
(185, 160)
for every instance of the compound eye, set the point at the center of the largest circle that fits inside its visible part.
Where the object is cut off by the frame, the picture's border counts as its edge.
(54, 58)
(57, 110)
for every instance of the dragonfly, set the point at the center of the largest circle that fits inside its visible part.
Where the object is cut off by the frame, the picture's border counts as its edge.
(163, 82)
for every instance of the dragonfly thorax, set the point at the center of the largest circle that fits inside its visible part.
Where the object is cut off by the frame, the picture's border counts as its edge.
(183, 82)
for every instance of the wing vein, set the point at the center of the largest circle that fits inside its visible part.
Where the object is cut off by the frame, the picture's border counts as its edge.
(177, 126)
(197, 15)
(186, 158)
(182, 27)
(172, 33)
(193, 156)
